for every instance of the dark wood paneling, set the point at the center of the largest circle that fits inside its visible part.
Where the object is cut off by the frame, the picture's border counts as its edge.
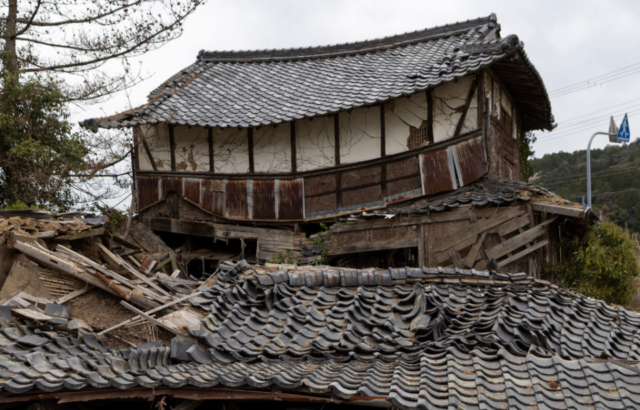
(362, 176)
(320, 184)
(290, 203)
(264, 199)
(171, 184)
(320, 203)
(147, 191)
(436, 174)
(192, 189)
(403, 168)
(404, 185)
(236, 205)
(361, 196)
(213, 196)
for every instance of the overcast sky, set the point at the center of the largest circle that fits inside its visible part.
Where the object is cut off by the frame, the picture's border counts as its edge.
(569, 42)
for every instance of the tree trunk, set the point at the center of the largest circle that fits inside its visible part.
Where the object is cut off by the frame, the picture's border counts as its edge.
(11, 58)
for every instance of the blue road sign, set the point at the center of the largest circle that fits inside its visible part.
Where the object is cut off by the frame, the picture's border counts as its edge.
(623, 132)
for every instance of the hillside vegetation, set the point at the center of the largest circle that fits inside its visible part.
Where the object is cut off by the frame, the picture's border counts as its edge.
(615, 180)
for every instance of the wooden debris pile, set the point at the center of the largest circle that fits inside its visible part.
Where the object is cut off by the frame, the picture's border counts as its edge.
(132, 289)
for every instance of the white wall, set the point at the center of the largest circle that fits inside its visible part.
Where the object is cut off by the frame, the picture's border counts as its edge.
(192, 149)
(315, 143)
(157, 138)
(448, 99)
(272, 148)
(360, 135)
(400, 115)
(230, 150)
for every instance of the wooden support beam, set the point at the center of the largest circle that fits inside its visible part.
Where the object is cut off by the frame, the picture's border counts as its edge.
(172, 147)
(294, 157)
(472, 256)
(336, 138)
(429, 116)
(465, 109)
(518, 241)
(81, 235)
(559, 210)
(374, 246)
(422, 245)
(523, 253)
(64, 299)
(252, 167)
(480, 97)
(148, 151)
(149, 318)
(210, 140)
(459, 214)
(383, 137)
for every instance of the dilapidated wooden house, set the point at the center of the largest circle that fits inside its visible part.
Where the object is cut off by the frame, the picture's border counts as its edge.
(406, 146)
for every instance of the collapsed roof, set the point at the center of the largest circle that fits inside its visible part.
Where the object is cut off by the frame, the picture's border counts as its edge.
(408, 338)
(254, 88)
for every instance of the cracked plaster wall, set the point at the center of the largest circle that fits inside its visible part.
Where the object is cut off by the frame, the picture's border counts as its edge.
(448, 102)
(192, 149)
(157, 138)
(399, 116)
(272, 148)
(360, 135)
(230, 150)
(315, 143)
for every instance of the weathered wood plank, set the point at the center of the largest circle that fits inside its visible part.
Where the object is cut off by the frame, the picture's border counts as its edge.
(374, 246)
(448, 216)
(475, 229)
(559, 210)
(81, 235)
(518, 241)
(523, 253)
(444, 256)
(64, 299)
(513, 225)
(472, 256)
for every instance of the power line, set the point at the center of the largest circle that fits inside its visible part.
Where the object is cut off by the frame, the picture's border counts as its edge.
(610, 193)
(597, 80)
(582, 175)
(594, 61)
(592, 177)
(552, 136)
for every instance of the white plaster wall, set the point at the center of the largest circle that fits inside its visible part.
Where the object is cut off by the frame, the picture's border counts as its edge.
(447, 99)
(157, 137)
(192, 148)
(506, 104)
(360, 135)
(272, 148)
(230, 150)
(471, 119)
(315, 143)
(496, 100)
(400, 115)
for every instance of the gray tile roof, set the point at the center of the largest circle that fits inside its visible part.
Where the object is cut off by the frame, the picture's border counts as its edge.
(253, 88)
(411, 338)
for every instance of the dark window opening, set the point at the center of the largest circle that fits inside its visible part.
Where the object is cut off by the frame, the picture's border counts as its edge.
(383, 259)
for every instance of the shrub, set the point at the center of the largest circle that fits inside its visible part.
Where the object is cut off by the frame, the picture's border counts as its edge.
(602, 264)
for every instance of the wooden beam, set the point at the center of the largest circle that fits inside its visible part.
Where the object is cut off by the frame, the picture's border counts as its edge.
(148, 151)
(559, 210)
(472, 256)
(445, 255)
(480, 97)
(374, 246)
(422, 259)
(447, 216)
(210, 140)
(172, 146)
(85, 234)
(465, 109)
(294, 156)
(64, 299)
(518, 241)
(336, 138)
(523, 253)
(383, 137)
(252, 168)
(149, 318)
(429, 117)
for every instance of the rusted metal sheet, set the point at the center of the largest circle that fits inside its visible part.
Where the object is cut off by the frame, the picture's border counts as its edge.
(237, 206)
(264, 199)
(192, 189)
(470, 160)
(171, 184)
(213, 196)
(147, 191)
(290, 199)
(438, 174)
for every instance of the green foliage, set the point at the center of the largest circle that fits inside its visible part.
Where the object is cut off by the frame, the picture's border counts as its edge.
(323, 239)
(525, 151)
(18, 205)
(615, 180)
(602, 264)
(38, 147)
(117, 219)
(284, 257)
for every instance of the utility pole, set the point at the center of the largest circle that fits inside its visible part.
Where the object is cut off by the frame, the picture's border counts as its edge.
(589, 164)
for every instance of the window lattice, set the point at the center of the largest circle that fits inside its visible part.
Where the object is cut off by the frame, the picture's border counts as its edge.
(418, 137)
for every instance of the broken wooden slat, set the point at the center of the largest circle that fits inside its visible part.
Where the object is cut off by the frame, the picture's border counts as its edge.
(86, 234)
(513, 225)
(373, 246)
(442, 257)
(518, 241)
(523, 253)
(149, 318)
(472, 256)
(475, 229)
(73, 295)
(559, 210)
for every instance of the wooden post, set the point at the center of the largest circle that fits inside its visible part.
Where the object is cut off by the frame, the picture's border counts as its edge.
(336, 138)
(172, 146)
(294, 161)
(429, 117)
(480, 98)
(421, 246)
(383, 137)
(210, 138)
(465, 109)
(250, 137)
